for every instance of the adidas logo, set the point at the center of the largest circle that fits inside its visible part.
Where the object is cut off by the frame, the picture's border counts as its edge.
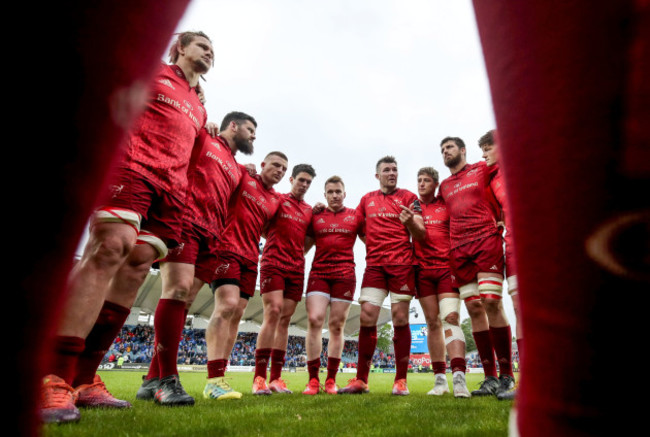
(348, 294)
(320, 221)
(252, 184)
(494, 268)
(215, 144)
(167, 82)
(405, 287)
(287, 204)
(372, 203)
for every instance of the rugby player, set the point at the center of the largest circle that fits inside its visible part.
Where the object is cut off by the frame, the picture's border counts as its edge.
(477, 261)
(490, 148)
(282, 271)
(440, 302)
(331, 283)
(140, 218)
(389, 223)
(213, 177)
(252, 207)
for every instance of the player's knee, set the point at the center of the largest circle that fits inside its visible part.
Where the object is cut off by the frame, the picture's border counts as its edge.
(474, 308)
(433, 323)
(449, 310)
(493, 306)
(335, 329)
(108, 250)
(316, 320)
(400, 318)
(272, 312)
(368, 315)
(227, 308)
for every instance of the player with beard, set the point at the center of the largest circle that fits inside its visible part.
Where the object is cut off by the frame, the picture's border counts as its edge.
(139, 220)
(477, 261)
(282, 271)
(214, 175)
(390, 222)
(490, 148)
(439, 300)
(252, 207)
(331, 283)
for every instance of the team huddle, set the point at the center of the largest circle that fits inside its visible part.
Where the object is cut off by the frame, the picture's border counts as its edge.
(180, 198)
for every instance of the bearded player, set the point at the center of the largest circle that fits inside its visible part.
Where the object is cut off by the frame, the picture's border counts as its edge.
(477, 262)
(439, 300)
(214, 175)
(139, 220)
(390, 270)
(331, 283)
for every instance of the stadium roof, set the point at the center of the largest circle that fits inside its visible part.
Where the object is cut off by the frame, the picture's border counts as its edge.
(151, 289)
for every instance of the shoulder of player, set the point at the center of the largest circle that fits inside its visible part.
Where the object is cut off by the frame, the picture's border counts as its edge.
(406, 194)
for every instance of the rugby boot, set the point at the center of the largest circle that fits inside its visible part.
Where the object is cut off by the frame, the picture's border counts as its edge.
(279, 386)
(400, 388)
(148, 389)
(58, 401)
(330, 387)
(460, 386)
(488, 387)
(313, 387)
(97, 395)
(218, 388)
(171, 393)
(355, 386)
(260, 387)
(440, 386)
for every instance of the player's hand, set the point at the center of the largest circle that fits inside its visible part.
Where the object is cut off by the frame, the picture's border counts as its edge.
(251, 169)
(318, 208)
(406, 216)
(212, 128)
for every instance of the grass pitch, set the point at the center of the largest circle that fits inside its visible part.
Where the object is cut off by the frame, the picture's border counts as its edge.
(377, 413)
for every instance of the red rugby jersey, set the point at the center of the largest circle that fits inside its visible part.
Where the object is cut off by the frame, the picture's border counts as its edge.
(285, 237)
(212, 178)
(251, 207)
(467, 196)
(498, 187)
(160, 142)
(334, 234)
(434, 250)
(388, 241)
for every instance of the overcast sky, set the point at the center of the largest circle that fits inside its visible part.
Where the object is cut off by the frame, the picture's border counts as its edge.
(339, 84)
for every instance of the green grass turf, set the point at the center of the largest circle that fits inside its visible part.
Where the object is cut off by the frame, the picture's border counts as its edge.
(377, 413)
